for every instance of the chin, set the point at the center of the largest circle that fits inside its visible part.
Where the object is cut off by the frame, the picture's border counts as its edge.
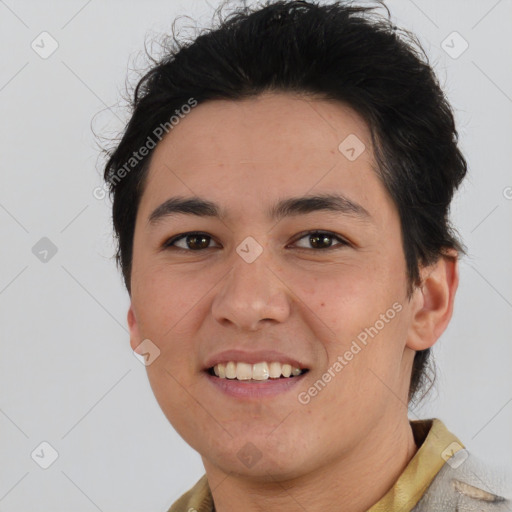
(264, 470)
(259, 458)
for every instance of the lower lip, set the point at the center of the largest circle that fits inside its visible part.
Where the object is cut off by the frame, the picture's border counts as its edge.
(255, 389)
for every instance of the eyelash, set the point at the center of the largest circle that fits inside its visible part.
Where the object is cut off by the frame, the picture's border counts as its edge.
(168, 243)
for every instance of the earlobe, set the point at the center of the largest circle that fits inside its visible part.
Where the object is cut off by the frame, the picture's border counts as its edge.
(433, 301)
(134, 328)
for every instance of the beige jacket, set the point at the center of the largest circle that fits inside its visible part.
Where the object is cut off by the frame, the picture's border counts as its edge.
(465, 483)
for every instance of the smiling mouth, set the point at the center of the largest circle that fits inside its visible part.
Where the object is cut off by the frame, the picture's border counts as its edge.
(257, 372)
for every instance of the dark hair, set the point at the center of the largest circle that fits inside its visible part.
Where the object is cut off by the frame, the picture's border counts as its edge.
(338, 51)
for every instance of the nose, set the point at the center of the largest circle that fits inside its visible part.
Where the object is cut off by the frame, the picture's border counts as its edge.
(252, 295)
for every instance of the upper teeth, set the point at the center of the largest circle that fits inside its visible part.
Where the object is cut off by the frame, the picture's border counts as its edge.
(258, 371)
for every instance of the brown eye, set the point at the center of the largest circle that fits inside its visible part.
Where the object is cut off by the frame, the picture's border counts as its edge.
(191, 241)
(322, 240)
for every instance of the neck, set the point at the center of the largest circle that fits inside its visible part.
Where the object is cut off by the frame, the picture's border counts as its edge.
(354, 482)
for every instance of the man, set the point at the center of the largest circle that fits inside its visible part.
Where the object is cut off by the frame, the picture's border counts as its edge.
(281, 198)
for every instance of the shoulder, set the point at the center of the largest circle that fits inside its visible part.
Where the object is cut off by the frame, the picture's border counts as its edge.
(465, 483)
(196, 499)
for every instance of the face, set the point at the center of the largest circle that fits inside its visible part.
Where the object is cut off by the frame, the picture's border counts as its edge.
(269, 277)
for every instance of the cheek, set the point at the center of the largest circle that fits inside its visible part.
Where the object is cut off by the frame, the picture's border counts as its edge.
(348, 298)
(366, 312)
(173, 392)
(164, 295)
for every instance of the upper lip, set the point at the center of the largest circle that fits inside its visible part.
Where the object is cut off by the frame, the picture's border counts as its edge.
(259, 356)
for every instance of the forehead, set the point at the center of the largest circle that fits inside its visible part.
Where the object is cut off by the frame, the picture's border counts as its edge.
(271, 146)
(239, 129)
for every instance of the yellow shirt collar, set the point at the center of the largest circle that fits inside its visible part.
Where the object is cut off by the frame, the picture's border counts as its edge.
(437, 445)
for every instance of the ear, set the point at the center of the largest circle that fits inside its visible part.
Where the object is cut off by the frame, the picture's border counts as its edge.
(135, 339)
(433, 300)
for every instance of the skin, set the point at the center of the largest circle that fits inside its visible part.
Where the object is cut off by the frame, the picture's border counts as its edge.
(350, 443)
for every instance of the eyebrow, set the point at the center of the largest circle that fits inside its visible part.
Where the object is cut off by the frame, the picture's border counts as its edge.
(288, 207)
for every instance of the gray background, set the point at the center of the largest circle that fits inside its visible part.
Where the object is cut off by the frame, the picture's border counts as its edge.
(67, 373)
